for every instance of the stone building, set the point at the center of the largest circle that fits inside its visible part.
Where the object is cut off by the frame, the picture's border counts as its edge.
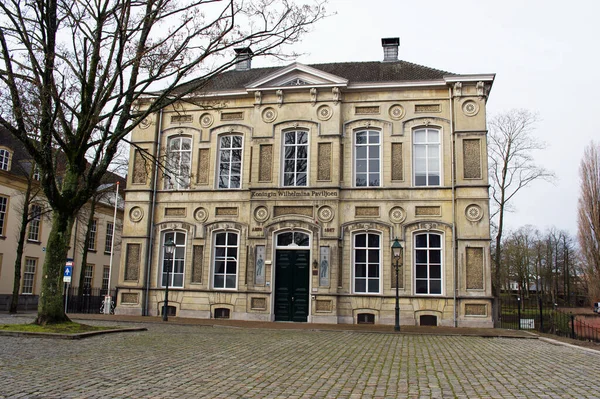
(15, 174)
(286, 187)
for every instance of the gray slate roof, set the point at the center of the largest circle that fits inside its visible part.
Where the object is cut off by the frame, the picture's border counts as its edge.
(364, 72)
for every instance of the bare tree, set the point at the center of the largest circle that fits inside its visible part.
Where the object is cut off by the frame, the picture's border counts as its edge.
(589, 218)
(31, 195)
(73, 71)
(511, 168)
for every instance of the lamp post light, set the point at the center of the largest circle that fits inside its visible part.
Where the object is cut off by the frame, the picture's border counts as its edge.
(396, 251)
(169, 248)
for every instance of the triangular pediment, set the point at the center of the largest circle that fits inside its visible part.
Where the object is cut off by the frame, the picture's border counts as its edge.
(295, 75)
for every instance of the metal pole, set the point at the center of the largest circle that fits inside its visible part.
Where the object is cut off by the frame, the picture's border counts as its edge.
(166, 303)
(541, 315)
(519, 313)
(572, 325)
(112, 251)
(66, 298)
(397, 324)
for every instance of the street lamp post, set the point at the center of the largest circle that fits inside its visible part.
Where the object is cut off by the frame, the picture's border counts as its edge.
(169, 248)
(396, 251)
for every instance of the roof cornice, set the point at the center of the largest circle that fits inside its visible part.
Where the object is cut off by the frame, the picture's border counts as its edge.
(480, 77)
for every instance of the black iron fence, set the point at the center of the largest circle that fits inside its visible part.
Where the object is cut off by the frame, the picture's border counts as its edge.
(537, 315)
(91, 300)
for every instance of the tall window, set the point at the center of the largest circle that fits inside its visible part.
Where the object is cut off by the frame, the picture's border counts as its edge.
(175, 262)
(105, 276)
(93, 230)
(367, 262)
(4, 159)
(179, 163)
(295, 158)
(367, 167)
(3, 209)
(225, 260)
(35, 215)
(426, 154)
(109, 237)
(88, 276)
(29, 275)
(428, 263)
(230, 161)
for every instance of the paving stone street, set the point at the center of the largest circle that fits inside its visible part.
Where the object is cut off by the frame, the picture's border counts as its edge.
(191, 361)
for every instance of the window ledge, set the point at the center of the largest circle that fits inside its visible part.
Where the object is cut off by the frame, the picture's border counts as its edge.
(36, 242)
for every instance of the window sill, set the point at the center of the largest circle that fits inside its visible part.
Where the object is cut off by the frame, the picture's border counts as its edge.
(367, 293)
(36, 242)
(106, 252)
(91, 250)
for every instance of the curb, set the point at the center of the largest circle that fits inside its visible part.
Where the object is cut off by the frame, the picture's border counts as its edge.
(68, 336)
(560, 343)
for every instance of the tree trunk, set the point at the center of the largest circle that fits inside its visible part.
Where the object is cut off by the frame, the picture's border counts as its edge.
(14, 302)
(50, 306)
(86, 246)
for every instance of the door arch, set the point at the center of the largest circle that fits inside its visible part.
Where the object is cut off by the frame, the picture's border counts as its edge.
(292, 276)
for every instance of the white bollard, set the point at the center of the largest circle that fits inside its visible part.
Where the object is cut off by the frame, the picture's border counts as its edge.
(107, 304)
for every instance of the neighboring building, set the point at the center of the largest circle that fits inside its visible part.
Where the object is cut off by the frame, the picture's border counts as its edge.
(287, 186)
(15, 169)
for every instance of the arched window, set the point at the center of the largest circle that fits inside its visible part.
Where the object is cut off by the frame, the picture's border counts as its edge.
(230, 161)
(179, 163)
(295, 158)
(428, 263)
(293, 239)
(367, 158)
(225, 260)
(174, 263)
(426, 156)
(367, 262)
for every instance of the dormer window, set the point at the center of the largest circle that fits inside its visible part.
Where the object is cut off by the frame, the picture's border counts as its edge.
(4, 159)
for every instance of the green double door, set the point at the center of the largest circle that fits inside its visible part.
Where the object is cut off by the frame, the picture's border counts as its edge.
(292, 272)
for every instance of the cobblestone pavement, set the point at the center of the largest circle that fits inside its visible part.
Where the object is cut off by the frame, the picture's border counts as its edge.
(185, 361)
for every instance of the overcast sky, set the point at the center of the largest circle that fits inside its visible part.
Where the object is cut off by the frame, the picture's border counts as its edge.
(545, 55)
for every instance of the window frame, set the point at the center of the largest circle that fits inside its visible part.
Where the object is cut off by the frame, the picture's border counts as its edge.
(295, 159)
(427, 144)
(5, 159)
(355, 159)
(109, 233)
(181, 260)
(220, 151)
(34, 228)
(29, 277)
(105, 279)
(379, 264)
(3, 214)
(93, 234)
(428, 264)
(88, 275)
(174, 179)
(226, 246)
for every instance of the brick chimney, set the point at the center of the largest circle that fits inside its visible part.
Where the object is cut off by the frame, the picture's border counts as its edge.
(243, 58)
(390, 48)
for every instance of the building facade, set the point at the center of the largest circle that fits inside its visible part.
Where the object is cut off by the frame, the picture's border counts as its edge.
(285, 188)
(15, 175)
